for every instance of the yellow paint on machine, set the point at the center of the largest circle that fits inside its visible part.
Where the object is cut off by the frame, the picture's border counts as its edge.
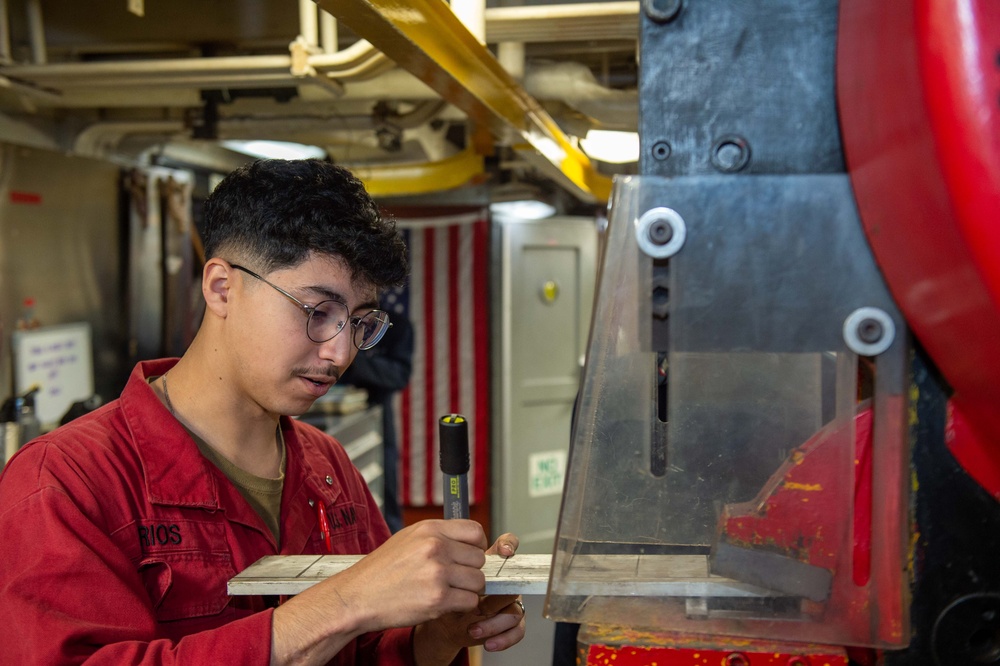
(807, 487)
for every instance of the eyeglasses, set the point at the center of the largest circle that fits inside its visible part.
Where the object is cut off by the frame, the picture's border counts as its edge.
(328, 318)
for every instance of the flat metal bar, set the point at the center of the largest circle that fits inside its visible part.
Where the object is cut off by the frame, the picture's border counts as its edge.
(646, 575)
(292, 574)
(600, 575)
(425, 38)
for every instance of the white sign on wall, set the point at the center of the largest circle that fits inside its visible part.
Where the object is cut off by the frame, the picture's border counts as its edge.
(58, 359)
(546, 471)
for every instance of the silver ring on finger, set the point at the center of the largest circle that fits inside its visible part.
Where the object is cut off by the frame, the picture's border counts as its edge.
(520, 605)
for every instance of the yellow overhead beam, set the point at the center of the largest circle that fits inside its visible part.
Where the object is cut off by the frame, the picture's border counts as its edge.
(425, 38)
(405, 179)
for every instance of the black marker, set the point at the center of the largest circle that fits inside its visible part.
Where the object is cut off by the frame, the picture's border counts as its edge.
(454, 458)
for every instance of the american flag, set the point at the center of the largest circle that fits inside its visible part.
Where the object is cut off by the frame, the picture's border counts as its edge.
(447, 300)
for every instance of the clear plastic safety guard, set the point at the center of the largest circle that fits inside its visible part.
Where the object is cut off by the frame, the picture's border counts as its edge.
(739, 458)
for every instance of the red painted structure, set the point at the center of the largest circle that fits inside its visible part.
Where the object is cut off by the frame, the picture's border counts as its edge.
(672, 650)
(737, 656)
(919, 97)
(798, 514)
(918, 87)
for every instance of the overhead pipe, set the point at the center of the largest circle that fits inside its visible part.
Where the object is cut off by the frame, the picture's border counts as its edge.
(96, 138)
(472, 14)
(562, 23)
(423, 178)
(357, 62)
(203, 81)
(572, 84)
(308, 26)
(100, 138)
(36, 31)
(252, 125)
(165, 67)
(374, 66)
(328, 32)
(511, 57)
(429, 41)
(5, 55)
(353, 61)
(30, 94)
(24, 132)
(519, 24)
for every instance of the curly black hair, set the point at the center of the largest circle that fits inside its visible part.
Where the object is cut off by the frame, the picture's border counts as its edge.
(273, 213)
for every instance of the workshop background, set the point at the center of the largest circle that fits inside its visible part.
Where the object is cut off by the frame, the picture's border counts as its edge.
(801, 402)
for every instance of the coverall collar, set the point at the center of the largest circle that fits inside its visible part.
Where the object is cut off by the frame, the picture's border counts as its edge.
(167, 466)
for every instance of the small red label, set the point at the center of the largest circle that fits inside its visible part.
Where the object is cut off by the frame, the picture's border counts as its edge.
(25, 197)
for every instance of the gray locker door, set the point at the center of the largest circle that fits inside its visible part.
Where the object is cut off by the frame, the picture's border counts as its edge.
(547, 273)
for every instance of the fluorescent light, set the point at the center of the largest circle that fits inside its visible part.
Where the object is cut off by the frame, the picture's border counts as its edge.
(611, 147)
(527, 209)
(283, 150)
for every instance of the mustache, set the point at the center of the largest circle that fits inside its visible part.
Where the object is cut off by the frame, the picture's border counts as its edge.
(331, 371)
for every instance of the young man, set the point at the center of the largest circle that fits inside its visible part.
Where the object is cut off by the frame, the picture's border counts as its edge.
(119, 531)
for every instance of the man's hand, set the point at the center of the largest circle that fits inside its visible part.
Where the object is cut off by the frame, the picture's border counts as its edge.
(425, 571)
(421, 572)
(497, 622)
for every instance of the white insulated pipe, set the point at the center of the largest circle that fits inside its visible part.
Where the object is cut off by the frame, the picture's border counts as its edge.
(328, 32)
(472, 13)
(353, 60)
(308, 22)
(511, 57)
(36, 30)
(4, 34)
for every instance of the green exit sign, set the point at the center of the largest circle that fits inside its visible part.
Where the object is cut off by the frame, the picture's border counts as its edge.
(546, 472)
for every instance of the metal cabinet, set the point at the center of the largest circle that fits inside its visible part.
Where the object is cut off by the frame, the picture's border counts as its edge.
(546, 290)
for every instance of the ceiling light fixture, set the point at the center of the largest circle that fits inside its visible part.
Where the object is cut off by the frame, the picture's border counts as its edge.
(525, 209)
(283, 150)
(611, 147)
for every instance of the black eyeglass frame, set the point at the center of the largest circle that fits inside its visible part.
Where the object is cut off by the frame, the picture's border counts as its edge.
(308, 311)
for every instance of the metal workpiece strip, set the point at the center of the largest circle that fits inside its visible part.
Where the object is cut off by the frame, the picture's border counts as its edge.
(292, 574)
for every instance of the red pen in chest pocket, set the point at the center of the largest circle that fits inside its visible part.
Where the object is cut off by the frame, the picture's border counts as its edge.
(324, 525)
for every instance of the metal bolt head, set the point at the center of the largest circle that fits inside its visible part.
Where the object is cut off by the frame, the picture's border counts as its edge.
(737, 659)
(660, 232)
(661, 151)
(730, 154)
(798, 661)
(662, 11)
(870, 330)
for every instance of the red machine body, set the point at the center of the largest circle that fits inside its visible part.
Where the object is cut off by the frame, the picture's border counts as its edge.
(918, 101)
(919, 97)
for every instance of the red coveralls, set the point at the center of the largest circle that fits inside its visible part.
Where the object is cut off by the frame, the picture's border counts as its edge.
(117, 538)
